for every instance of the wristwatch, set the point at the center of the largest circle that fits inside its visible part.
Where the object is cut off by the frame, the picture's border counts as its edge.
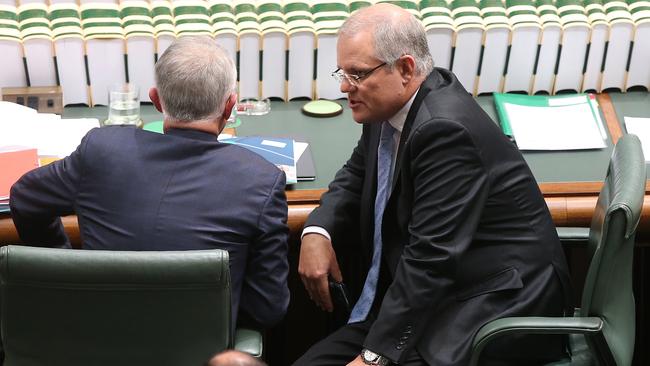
(373, 359)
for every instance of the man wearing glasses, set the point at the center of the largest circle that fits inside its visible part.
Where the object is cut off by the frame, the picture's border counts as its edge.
(453, 229)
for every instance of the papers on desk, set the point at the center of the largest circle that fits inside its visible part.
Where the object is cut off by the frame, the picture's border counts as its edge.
(566, 122)
(48, 133)
(641, 128)
(279, 151)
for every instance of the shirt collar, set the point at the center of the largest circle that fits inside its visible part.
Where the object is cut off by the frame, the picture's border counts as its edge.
(191, 134)
(398, 120)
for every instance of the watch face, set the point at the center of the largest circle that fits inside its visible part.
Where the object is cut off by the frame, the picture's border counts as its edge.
(369, 356)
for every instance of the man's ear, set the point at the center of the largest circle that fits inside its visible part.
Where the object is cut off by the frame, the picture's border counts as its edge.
(230, 103)
(406, 67)
(155, 99)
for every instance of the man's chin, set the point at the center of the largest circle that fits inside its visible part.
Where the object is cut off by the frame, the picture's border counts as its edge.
(364, 119)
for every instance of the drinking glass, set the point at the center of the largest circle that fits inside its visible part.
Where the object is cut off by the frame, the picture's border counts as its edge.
(124, 105)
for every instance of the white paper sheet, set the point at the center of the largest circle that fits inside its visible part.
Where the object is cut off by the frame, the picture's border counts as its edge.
(298, 149)
(568, 127)
(641, 128)
(50, 134)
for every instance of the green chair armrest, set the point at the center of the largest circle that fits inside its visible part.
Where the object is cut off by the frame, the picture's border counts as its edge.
(249, 341)
(578, 235)
(532, 325)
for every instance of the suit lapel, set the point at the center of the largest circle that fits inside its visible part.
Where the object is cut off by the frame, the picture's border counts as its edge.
(370, 183)
(431, 82)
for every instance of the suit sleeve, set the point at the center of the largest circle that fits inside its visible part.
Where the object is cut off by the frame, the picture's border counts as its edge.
(40, 197)
(450, 187)
(339, 208)
(265, 293)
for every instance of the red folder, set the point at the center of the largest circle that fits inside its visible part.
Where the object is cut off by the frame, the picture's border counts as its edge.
(14, 162)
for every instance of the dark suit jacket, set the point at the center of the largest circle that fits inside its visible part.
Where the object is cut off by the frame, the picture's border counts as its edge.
(467, 235)
(137, 190)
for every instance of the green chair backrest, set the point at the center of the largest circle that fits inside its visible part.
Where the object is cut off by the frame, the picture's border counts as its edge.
(608, 286)
(9, 29)
(136, 19)
(91, 307)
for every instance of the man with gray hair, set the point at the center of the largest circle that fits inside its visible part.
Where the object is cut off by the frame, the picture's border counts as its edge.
(435, 206)
(138, 190)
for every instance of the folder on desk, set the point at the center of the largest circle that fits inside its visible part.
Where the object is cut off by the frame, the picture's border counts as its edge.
(566, 122)
(305, 170)
(15, 161)
(279, 151)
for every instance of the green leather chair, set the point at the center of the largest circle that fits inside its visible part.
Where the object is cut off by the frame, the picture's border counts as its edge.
(602, 330)
(62, 307)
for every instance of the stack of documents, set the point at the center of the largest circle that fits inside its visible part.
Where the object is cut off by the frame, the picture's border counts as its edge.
(278, 151)
(641, 128)
(566, 122)
(26, 135)
(285, 153)
(48, 133)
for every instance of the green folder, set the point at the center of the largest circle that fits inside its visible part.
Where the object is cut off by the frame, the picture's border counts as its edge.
(536, 101)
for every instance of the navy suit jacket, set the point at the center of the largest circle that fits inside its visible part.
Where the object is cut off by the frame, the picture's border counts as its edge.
(137, 190)
(467, 236)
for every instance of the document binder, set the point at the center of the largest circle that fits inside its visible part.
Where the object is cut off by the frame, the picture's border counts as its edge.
(15, 161)
(566, 122)
(278, 151)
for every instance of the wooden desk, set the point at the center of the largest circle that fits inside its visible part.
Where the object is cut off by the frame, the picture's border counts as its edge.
(571, 204)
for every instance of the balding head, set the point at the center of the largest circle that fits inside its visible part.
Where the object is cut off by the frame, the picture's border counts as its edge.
(395, 32)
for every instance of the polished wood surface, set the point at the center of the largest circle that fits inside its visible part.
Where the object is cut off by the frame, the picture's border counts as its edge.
(613, 125)
(570, 204)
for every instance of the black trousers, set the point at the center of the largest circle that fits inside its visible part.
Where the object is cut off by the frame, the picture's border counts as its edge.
(343, 346)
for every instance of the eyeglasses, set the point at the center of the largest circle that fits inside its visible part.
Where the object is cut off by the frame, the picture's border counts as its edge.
(353, 79)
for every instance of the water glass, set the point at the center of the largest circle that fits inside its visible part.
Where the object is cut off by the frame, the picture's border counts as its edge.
(124, 105)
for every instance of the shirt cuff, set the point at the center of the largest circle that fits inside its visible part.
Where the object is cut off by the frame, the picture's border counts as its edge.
(315, 230)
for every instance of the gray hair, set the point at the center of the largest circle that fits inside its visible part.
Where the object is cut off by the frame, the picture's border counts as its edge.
(195, 77)
(394, 36)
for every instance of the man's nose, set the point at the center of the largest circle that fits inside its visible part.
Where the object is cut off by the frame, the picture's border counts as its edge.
(346, 86)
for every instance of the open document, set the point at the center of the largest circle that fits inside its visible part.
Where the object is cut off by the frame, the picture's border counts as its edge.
(567, 122)
(641, 128)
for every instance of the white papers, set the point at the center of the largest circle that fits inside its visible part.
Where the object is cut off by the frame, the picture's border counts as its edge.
(566, 127)
(298, 149)
(641, 128)
(48, 133)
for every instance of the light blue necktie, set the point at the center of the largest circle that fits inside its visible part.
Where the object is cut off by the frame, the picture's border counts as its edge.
(384, 163)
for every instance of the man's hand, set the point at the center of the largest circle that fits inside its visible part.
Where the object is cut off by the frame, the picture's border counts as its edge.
(356, 362)
(317, 261)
